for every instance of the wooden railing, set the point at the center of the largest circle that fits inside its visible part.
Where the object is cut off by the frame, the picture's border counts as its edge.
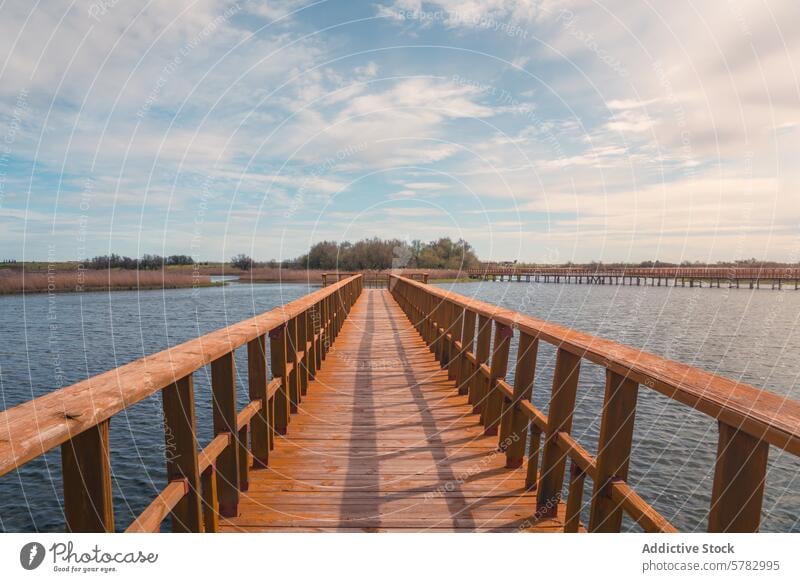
(329, 278)
(202, 484)
(372, 279)
(749, 419)
(709, 273)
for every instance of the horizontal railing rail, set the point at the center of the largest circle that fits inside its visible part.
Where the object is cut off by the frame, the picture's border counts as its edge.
(202, 484)
(375, 280)
(472, 338)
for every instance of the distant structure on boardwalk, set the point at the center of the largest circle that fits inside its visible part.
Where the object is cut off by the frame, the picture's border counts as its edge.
(732, 277)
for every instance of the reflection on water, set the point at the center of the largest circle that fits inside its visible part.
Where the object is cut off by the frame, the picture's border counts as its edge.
(51, 342)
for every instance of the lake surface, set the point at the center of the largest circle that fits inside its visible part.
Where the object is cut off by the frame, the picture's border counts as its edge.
(47, 342)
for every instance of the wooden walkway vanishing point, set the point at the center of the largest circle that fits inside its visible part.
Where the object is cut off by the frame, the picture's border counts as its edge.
(384, 442)
(389, 410)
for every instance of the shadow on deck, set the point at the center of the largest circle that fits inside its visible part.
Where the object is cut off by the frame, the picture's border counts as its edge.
(383, 442)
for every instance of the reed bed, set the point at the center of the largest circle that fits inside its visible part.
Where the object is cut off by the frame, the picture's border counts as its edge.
(15, 281)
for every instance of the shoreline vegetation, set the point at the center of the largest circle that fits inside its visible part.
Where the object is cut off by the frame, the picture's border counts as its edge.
(445, 261)
(13, 282)
(37, 278)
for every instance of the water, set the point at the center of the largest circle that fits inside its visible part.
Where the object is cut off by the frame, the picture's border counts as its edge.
(750, 336)
(48, 342)
(744, 335)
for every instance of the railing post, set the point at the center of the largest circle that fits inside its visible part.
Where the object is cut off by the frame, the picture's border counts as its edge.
(257, 384)
(478, 381)
(223, 387)
(534, 450)
(613, 450)
(572, 519)
(559, 418)
(278, 359)
(456, 333)
(326, 322)
(467, 345)
(445, 346)
(86, 469)
(180, 435)
(310, 346)
(498, 368)
(208, 482)
(438, 329)
(515, 422)
(244, 458)
(303, 365)
(739, 476)
(291, 358)
(316, 335)
(427, 328)
(432, 331)
(334, 315)
(338, 299)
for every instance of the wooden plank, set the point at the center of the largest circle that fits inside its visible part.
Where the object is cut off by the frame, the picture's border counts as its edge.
(293, 372)
(301, 338)
(244, 457)
(477, 388)
(559, 418)
(516, 421)
(208, 481)
(149, 521)
(739, 476)
(613, 450)
(574, 498)
(180, 434)
(534, 451)
(456, 331)
(223, 387)
(208, 456)
(278, 360)
(491, 414)
(86, 466)
(648, 518)
(257, 388)
(467, 347)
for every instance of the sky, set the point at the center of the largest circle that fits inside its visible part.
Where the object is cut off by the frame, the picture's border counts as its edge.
(536, 130)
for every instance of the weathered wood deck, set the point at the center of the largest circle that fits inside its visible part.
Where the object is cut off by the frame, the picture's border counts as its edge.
(383, 442)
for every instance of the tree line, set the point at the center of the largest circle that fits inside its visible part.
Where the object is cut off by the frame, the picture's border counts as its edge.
(379, 254)
(145, 263)
(367, 254)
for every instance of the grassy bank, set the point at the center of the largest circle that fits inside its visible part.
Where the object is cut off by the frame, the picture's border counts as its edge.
(77, 281)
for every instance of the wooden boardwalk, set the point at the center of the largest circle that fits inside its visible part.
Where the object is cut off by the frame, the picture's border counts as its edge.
(383, 442)
(381, 439)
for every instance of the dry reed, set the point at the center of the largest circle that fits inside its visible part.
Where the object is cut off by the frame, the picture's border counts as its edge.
(15, 281)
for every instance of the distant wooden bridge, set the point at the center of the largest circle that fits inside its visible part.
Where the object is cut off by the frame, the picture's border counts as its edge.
(731, 277)
(389, 410)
